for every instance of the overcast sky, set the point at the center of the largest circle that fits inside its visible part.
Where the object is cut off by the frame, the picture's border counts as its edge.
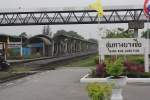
(85, 30)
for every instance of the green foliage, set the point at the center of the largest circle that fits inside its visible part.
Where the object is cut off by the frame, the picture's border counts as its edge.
(137, 74)
(146, 34)
(93, 40)
(70, 33)
(99, 91)
(23, 34)
(115, 68)
(119, 33)
(82, 62)
(93, 72)
(96, 60)
(136, 59)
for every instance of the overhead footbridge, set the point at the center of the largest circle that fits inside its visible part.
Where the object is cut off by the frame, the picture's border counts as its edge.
(74, 15)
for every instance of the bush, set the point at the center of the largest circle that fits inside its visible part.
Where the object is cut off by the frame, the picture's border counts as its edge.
(96, 60)
(115, 68)
(99, 91)
(136, 59)
(93, 72)
(137, 74)
(133, 67)
(100, 70)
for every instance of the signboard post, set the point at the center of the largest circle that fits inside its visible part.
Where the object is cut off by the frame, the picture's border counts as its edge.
(2, 50)
(101, 55)
(126, 46)
(146, 56)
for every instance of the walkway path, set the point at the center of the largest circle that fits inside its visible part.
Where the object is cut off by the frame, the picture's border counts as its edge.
(61, 84)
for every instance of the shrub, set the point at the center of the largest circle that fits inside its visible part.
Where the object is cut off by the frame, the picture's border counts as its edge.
(115, 68)
(93, 72)
(99, 91)
(100, 70)
(96, 60)
(136, 59)
(133, 67)
(137, 74)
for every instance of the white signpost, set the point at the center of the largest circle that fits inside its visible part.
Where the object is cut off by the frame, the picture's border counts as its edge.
(14, 45)
(126, 46)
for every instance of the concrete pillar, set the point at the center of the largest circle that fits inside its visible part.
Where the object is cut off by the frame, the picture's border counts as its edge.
(136, 34)
(73, 46)
(80, 46)
(57, 48)
(43, 49)
(53, 47)
(60, 48)
(66, 47)
(87, 46)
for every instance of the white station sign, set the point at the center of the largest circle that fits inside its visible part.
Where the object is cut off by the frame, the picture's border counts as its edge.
(14, 45)
(123, 46)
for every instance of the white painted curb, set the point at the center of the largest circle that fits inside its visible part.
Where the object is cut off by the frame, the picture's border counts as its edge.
(129, 80)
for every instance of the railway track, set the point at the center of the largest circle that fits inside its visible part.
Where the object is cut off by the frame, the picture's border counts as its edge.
(40, 62)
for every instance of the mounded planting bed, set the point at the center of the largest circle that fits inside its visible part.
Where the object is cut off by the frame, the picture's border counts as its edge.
(88, 79)
(134, 74)
(133, 69)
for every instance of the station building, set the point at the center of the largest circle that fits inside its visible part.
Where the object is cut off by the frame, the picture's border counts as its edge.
(10, 45)
(15, 47)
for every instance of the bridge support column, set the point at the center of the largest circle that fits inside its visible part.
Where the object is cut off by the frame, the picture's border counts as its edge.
(57, 49)
(43, 49)
(136, 33)
(71, 46)
(66, 47)
(74, 43)
(80, 46)
(53, 47)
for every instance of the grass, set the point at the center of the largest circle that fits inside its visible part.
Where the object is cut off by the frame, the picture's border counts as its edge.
(5, 74)
(82, 62)
(20, 69)
(14, 71)
(138, 59)
(89, 61)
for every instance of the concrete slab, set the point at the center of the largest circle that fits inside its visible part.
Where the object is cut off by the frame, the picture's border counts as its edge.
(61, 84)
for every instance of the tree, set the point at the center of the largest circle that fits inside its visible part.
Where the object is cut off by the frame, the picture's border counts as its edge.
(119, 33)
(23, 34)
(92, 40)
(70, 33)
(146, 34)
(23, 37)
(47, 31)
